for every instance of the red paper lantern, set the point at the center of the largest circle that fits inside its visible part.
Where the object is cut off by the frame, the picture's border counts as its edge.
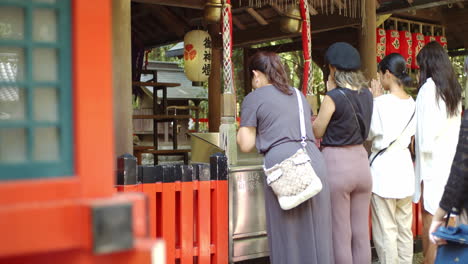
(406, 47)
(393, 42)
(418, 44)
(381, 44)
(442, 41)
(428, 39)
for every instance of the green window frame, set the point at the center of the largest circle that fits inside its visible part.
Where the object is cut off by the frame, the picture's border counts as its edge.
(33, 128)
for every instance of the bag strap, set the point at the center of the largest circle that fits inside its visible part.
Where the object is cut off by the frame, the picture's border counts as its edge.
(391, 144)
(447, 219)
(301, 118)
(354, 111)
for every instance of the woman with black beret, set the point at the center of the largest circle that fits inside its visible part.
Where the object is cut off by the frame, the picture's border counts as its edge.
(343, 123)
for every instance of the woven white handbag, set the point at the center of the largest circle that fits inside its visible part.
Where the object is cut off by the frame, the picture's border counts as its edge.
(294, 179)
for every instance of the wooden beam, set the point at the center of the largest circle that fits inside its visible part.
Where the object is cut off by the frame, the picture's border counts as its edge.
(422, 15)
(155, 84)
(151, 24)
(418, 4)
(238, 23)
(321, 42)
(257, 16)
(171, 21)
(271, 31)
(261, 34)
(193, 4)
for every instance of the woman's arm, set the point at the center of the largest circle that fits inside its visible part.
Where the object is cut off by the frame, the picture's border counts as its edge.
(246, 138)
(437, 221)
(325, 113)
(376, 125)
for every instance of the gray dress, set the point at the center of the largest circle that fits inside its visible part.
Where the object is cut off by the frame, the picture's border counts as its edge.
(303, 234)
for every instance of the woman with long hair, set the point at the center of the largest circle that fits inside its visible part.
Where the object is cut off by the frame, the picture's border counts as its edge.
(343, 124)
(393, 124)
(270, 121)
(438, 118)
(455, 197)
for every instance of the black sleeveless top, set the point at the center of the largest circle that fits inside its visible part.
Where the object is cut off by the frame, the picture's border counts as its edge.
(343, 129)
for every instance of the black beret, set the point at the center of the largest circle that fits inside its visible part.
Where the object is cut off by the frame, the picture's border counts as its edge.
(343, 56)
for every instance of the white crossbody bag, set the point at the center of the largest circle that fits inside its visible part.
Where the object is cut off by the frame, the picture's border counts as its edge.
(294, 179)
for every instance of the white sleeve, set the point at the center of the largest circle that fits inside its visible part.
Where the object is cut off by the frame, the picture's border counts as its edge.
(375, 131)
(431, 118)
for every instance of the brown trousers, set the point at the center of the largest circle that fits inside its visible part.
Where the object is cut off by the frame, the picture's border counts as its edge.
(350, 188)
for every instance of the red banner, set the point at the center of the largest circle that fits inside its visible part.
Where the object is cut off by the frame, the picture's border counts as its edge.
(442, 41)
(406, 47)
(393, 42)
(418, 44)
(428, 39)
(381, 44)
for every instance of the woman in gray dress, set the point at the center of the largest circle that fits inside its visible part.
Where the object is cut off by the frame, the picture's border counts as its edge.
(270, 121)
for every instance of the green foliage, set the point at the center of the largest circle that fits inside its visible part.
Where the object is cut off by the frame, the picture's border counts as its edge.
(294, 66)
(458, 65)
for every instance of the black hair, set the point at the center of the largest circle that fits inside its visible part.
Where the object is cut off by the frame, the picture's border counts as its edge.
(434, 63)
(396, 65)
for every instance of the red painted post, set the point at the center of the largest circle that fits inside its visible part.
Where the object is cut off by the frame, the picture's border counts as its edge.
(168, 212)
(420, 228)
(150, 190)
(151, 177)
(414, 226)
(186, 215)
(204, 217)
(188, 208)
(220, 210)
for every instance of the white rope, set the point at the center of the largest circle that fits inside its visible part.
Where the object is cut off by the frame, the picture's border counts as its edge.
(227, 63)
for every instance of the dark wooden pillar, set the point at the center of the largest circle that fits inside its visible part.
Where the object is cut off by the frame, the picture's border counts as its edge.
(247, 81)
(214, 82)
(368, 41)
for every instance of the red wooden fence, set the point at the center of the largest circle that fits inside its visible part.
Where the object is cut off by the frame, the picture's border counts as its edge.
(188, 208)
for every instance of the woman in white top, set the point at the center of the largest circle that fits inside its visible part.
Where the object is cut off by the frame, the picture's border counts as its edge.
(393, 124)
(438, 118)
